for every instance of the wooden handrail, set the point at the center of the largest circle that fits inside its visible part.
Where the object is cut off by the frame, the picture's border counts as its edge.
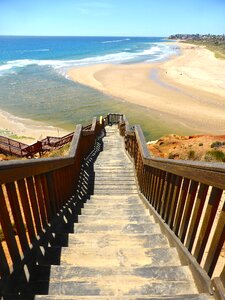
(33, 193)
(178, 191)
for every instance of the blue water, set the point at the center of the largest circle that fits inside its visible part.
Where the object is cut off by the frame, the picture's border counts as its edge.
(34, 82)
(63, 52)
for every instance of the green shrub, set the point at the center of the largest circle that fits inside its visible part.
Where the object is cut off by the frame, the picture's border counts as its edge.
(215, 155)
(191, 155)
(216, 144)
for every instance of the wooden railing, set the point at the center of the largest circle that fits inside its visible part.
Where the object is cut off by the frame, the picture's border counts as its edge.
(12, 147)
(32, 194)
(187, 196)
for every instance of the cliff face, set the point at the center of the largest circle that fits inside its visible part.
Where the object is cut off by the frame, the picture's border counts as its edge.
(196, 147)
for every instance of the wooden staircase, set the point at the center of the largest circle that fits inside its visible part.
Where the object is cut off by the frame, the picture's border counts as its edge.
(117, 250)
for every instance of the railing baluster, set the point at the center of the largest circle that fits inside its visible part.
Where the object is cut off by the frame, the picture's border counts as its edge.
(169, 197)
(40, 199)
(8, 230)
(173, 204)
(165, 193)
(188, 209)
(216, 244)
(17, 215)
(46, 198)
(207, 223)
(4, 267)
(33, 201)
(199, 204)
(181, 204)
(162, 183)
(26, 208)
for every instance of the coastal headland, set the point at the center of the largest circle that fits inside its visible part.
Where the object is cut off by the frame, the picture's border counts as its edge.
(188, 88)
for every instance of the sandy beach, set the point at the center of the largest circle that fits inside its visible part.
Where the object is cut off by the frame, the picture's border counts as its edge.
(188, 88)
(26, 130)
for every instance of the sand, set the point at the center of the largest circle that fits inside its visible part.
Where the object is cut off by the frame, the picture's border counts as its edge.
(189, 88)
(26, 130)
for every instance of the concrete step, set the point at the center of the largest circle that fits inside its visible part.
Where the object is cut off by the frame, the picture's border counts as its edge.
(115, 178)
(137, 297)
(116, 199)
(65, 273)
(108, 205)
(111, 257)
(119, 286)
(115, 192)
(110, 218)
(120, 240)
(114, 184)
(143, 228)
(120, 213)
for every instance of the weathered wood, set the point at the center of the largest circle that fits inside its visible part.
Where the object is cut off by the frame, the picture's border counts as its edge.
(34, 204)
(40, 200)
(26, 209)
(17, 216)
(48, 207)
(181, 204)
(199, 204)
(207, 223)
(8, 231)
(216, 244)
(188, 209)
(4, 267)
(174, 200)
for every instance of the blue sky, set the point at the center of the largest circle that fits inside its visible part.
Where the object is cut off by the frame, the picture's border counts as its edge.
(111, 17)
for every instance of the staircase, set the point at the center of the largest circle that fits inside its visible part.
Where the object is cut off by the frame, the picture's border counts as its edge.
(117, 250)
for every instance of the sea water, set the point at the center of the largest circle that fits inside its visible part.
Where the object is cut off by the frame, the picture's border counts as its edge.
(34, 82)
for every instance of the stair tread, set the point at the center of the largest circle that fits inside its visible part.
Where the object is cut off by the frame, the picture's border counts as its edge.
(127, 287)
(137, 297)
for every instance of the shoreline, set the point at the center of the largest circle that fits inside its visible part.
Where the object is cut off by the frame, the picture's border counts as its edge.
(188, 90)
(26, 130)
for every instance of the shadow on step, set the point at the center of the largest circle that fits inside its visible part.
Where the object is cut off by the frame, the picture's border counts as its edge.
(36, 277)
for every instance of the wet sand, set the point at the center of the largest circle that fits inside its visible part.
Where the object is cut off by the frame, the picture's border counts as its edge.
(26, 130)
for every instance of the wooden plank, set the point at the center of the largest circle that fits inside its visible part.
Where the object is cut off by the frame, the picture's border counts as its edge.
(197, 213)
(48, 207)
(165, 194)
(34, 205)
(188, 209)
(174, 201)
(207, 223)
(181, 204)
(216, 244)
(51, 192)
(169, 198)
(162, 183)
(17, 216)
(4, 267)
(40, 199)
(26, 209)
(8, 231)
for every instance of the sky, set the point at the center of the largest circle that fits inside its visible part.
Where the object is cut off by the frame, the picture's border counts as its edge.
(111, 17)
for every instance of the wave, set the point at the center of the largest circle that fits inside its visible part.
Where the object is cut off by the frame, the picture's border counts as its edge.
(115, 41)
(151, 54)
(35, 50)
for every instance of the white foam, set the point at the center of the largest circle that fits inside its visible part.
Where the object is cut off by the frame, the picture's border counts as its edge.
(35, 50)
(115, 41)
(159, 52)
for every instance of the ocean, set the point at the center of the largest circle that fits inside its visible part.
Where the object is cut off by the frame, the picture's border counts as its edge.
(34, 82)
